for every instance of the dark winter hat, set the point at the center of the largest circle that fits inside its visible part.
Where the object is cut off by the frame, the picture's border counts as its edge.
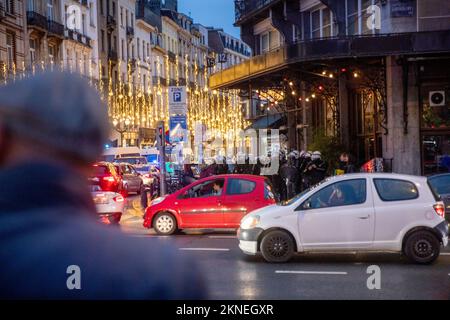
(58, 110)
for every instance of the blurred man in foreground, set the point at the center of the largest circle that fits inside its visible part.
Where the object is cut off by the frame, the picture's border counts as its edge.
(52, 127)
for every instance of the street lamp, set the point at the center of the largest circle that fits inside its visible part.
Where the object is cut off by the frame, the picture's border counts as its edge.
(121, 126)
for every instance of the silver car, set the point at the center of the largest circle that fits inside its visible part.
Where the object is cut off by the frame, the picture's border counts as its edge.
(132, 180)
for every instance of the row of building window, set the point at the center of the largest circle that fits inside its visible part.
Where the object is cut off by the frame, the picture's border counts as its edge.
(322, 24)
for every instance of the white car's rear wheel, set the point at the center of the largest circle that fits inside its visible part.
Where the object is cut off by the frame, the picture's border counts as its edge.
(165, 224)
(277, 246)
(422, 247)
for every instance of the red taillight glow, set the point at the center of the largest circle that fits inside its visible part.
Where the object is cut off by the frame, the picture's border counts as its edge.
(109, 179)
(440, 209)
(119, 199)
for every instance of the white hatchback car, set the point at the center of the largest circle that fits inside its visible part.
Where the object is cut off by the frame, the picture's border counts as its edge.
(110, 206)
(357, 212)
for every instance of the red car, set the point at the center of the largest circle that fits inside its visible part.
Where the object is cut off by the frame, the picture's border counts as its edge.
(105, 175)
(218, 202)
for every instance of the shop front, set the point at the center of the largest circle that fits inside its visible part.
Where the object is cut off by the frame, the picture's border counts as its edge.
(434, 93)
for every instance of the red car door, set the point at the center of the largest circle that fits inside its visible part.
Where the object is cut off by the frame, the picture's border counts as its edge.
(242, 195)
(201, 205)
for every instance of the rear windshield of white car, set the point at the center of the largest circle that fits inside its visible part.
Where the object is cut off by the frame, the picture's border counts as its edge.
(440, 185)
(134, 161)
(396, 190)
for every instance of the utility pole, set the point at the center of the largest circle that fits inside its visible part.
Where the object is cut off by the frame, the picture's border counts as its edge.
(161, 142)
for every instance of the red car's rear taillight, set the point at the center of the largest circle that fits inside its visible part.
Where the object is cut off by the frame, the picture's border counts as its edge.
(440, 209)
(109, 179)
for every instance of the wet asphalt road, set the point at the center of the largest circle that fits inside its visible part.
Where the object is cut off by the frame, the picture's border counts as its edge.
(232, 275)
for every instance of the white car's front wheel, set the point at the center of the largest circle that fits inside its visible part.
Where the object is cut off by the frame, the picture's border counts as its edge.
(277, 246)
(422, 247)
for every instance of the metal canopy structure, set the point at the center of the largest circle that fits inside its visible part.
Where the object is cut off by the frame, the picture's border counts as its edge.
(322, 50)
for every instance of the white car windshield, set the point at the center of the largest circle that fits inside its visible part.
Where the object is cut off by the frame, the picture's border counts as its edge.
(301, 194)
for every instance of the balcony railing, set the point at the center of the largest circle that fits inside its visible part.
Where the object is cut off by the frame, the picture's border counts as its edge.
(77, 36)
(55, 28)
(2, 11)
(112, 55)
(85, 40)
(238, 49)
(110, 22)
(146, 14)
(35, 19)
(162, 80)
(130, 31)
(172, 56)
(133, 65)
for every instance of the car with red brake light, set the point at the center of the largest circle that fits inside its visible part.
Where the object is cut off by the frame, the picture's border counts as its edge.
(217, 202)
(105, 175)
(109, 205)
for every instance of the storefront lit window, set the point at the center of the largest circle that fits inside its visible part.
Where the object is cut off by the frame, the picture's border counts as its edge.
(434, 93)
(436, 107)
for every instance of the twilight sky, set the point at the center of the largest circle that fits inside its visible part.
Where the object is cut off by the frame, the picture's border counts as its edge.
(216, 13)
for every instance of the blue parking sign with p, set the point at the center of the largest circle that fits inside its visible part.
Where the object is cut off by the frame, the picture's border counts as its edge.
(176, 96)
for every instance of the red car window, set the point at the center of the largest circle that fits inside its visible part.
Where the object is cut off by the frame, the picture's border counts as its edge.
(99, 170)
(208, 188)
(240, 186)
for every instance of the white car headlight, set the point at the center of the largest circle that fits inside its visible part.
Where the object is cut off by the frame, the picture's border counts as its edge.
(158, 200)
(250, 222)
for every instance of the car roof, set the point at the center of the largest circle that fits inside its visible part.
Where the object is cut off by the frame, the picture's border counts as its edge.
(122, 164)
(378, 175)
(102, 163)
(134, 157)
(242, 176)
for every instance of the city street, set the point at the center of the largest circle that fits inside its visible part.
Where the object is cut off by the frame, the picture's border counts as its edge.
(232, 275)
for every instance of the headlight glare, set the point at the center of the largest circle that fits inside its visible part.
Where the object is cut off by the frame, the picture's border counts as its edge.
(250, 222)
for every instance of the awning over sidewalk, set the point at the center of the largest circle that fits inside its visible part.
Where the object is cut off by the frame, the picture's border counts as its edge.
(267, 122)
(320, 50)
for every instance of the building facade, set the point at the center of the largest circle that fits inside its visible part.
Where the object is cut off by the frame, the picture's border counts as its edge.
(229, 50)
(49, 34)
(80, 45)
(45, 34)
(370, 73)
(131, 51)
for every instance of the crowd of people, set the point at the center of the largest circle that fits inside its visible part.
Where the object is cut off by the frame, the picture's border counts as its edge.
(297, 170)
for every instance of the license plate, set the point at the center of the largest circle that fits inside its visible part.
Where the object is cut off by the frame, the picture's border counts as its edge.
(101, 200)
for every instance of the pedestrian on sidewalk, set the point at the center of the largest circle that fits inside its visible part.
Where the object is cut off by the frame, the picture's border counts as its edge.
(344, 165)
(52, 128)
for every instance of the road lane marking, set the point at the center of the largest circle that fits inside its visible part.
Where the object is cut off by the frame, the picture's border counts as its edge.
(203, 249)
(222, 237)
(145, 236)
(445, 254)
(311, 272)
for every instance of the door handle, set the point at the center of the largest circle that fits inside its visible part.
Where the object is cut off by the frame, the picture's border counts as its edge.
(365, 217)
